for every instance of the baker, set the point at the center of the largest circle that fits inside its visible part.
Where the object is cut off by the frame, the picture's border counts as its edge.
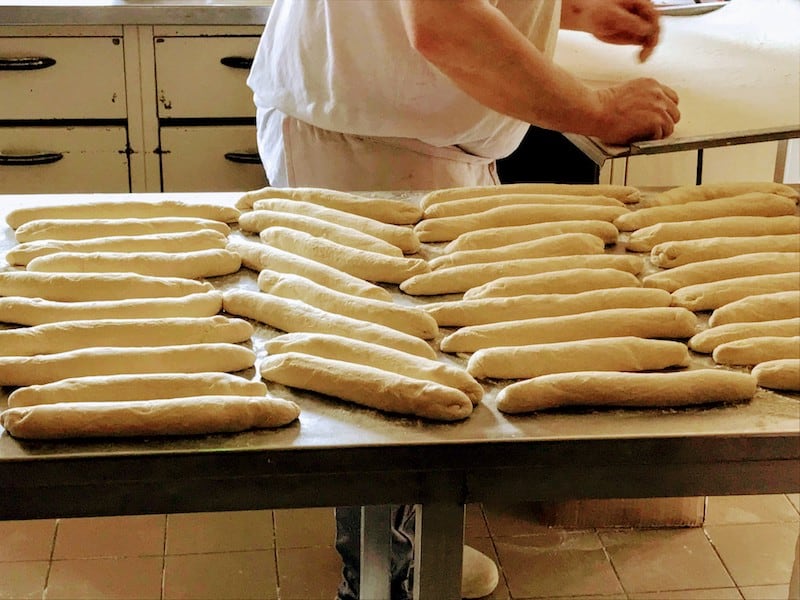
(424, 94)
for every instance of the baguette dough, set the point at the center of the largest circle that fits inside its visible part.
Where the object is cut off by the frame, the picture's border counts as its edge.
(189, 265)
(710, 191)
(295, 316)
(198, 415)
(761, 263)
(612, 322)
(708, 296)
(568, 281)
(707, 340)
(445, 229)
(753, 204)
(53, 338)
(494, 237)
(461, 278)
(367, 386)
(205, 239)
(558, 245)
(395, 212)
(104, 360)
(373, 355)
(602, 388)
(76, 287)
(531, 306)
(258, 220)
(760, 307)
(397, 235)
(624, 193)
(410, 320)
(603, 354)
(369, 266)
(644, 239)
(469, 206)
(81, 229)
(676, 254)
(781, 374)
(35, 311)
(754, 350)
(127, 388)
(257, 256)
(122, 210)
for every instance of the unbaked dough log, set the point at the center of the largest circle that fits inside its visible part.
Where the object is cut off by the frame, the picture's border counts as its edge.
(558, 245)
(206, 239)
(370, 266)
(373, 355)
(603, 354)
(602, 388)
(754, 350)
(198, 415)
(189, 265)
(81, 229)
(445, 229)
(397, 235)
(291, 316)
(707, 340)
(613, 322)
(127, 388)
(410, 320)
(624, 193)
(708, 296)
(258, 220)
(569, 281)
(106, 360)
(646, 238)
(679, 253)
(469, 206)
(258, 256)
(76, 287)
(386, 210)
(495, 237)
(36, 311)
(710, 191)
(123, 210)
(52, 338)
(761, 263)
(753, 204)
(531, 306)
(781, 374)
(367, 386)
(461, 278)
(758, 307)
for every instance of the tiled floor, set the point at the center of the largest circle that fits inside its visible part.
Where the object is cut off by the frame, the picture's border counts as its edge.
(744, 551)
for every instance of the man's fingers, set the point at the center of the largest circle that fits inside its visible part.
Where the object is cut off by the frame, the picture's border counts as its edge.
(671, 94)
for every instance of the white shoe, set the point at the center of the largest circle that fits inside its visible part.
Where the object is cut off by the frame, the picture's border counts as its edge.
(479, 575)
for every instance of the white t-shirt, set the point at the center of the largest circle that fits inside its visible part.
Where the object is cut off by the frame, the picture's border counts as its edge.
(348, 66)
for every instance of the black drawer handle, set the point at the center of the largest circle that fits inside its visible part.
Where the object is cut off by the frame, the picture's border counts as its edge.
(26, 63)
(26, 160)
(237, 62)
(245, 158)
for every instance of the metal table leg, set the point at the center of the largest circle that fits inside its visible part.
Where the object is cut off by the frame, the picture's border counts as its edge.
(438, 550)
(376, 546)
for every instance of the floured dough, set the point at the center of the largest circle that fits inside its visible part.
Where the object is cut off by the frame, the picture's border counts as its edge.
(754, 350)
(81, 229)
(708, 296)
(710, 191)
(781, 374)
(758, 307)
(707, 340)
(568, 281)
(678, 253)
(481, 203)
(494, 237)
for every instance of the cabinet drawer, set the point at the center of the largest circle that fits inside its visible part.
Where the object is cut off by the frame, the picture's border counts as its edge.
(204, 77)
(210, 159)
(63, 160)
(62, 78)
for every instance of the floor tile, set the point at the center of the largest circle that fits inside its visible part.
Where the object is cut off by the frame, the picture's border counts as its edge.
(305, 527)
(485, 545)
(27, 540)
(756, 554)
(223, 576)
(128, 578)
(197, 533)
(664, 559)
(795, 500)
(506, 520)
(19, 581)
(556, 563)
(309, 573)
(140, 535)
(474, 521)
(726, 510)
(730, 593)
(767, 592)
